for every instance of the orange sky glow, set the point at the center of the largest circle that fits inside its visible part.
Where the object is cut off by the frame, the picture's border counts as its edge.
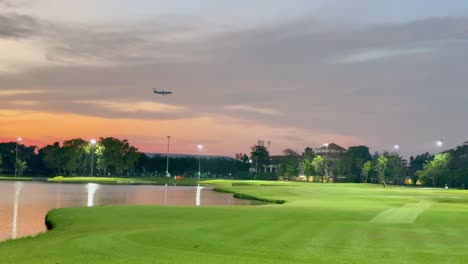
(219, 135)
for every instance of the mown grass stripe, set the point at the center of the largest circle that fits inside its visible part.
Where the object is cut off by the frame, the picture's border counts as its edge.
(406, 214)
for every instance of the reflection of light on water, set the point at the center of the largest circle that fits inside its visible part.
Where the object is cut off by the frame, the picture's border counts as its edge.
(165, 195)
(92, 188)
(197, 199)
(18, 187)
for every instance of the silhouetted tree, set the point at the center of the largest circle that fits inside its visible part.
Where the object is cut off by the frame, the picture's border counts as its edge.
(289, 163)
(260, 156)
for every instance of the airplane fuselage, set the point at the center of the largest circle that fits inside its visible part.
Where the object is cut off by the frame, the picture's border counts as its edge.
(161, 92)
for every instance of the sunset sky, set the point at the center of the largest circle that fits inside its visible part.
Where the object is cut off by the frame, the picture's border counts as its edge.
(297, 73)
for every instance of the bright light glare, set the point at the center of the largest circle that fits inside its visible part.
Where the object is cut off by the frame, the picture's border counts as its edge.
(396, 147)
(19, 139)
(326, 144)
(440, 143)
(200, 147)
(93, 141)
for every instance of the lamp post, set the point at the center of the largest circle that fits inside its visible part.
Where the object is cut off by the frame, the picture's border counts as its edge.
(396, 147)
(16, 155)
(200, 148)
(439, 144)
(93, 145)
(256, 168)
(167, 157)
(250, 169)
(326, 159)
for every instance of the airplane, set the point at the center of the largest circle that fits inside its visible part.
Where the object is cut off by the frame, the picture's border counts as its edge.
(161, 92)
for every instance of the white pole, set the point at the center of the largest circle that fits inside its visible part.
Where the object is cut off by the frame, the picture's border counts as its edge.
(200, 147)
(167, 157)
(92, 160)
(199, 166)
(16, 158)
(93, 145)
(326, 160)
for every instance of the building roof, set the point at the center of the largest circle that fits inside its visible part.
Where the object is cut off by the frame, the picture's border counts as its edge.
(332, 146)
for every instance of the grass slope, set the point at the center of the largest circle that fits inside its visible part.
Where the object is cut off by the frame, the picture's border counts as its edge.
(117, 180)
(12, 178)
(319, 223)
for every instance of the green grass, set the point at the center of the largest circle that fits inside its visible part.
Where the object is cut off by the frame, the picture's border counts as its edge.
(117, 180)
(219, 182)
(12, 178)
(319, 223)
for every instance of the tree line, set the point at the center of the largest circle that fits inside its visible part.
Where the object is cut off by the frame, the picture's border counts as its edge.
(358, 165)
(107, 157)
(114, 157)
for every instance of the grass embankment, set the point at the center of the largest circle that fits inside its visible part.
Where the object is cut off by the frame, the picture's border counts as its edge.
(319, 223)
(12, 178)
(223, 186)
(117, 180)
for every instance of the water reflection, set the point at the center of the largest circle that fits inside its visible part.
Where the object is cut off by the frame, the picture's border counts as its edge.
(23, 205)
(18, 187)
(91, 188)
(197, 199)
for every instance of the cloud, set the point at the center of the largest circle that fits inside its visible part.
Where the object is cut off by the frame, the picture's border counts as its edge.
(18, 26)
(378, 54)
(20, 92)
(25, 103)
(253, 109)
(115, 44)
(133, 107)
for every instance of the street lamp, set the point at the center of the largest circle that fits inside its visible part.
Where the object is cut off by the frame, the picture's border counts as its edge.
(200, 148)
(439, 143)
(167, 157)
(16, 155)
(396, 147)
(326, 159)
(93, 145)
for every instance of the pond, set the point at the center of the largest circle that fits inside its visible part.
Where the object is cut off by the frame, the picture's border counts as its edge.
(24, 205)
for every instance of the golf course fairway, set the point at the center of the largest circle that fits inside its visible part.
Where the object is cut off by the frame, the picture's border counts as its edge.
(318, 223)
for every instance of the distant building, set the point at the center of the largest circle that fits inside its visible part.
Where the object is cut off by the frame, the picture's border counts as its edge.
(332, 152)
(274, 165)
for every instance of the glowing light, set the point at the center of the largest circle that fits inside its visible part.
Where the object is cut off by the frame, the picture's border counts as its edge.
(93, 141)
(19, 139)
(396, 147)
(200, 147)
(440, 143)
